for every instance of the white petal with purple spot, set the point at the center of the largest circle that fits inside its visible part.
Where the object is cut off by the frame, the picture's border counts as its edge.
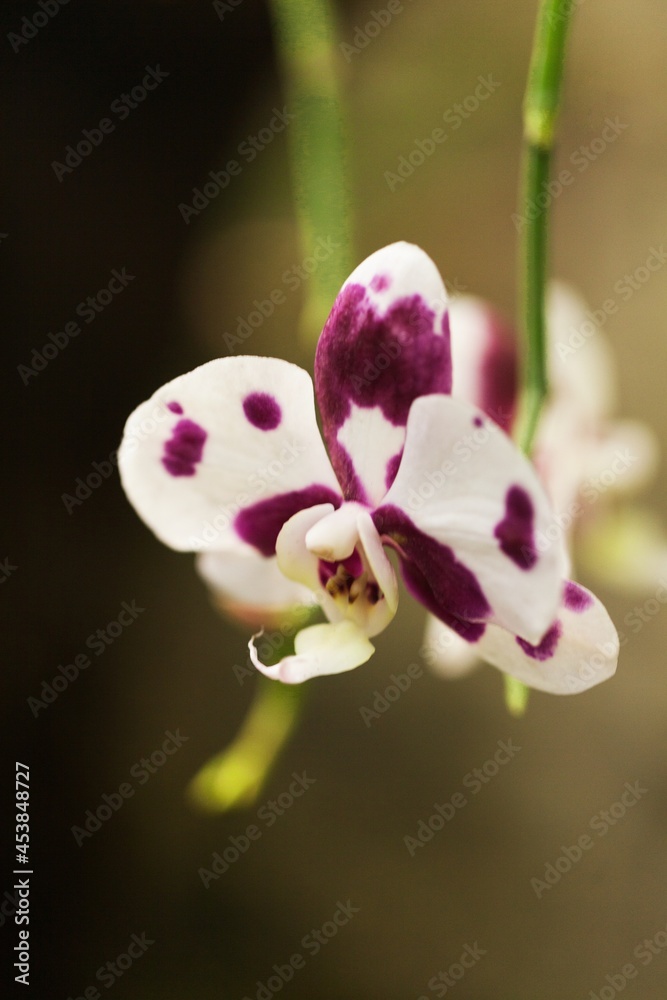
(385, 343)
(220, 458)
(467, 510)
(251, 587)
(578, 651)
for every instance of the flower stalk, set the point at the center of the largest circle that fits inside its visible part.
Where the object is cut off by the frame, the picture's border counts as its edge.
(234, 778)
(540, 113)
(306, 42)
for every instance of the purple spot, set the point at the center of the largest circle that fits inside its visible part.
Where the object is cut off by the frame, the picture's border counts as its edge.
(546, 648)
(498, 375)
(380, 282)
(515, 531)
(392, 469)
(575, 598)
(262, 410)
(184, 449)
(434, 576)
(175, 407)
(376, 360)
(260, 524)
(478, 422)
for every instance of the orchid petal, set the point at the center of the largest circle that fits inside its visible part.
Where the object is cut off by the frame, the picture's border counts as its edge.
(484, 359)
(319, 650)
(221, 457)
(578, 651)
(581, 364)
(465, 513)
(446, 653)
(385, 343)
(295, 560)
(251, 588)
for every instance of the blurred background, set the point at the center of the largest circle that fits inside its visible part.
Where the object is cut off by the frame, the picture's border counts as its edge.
(69, 567)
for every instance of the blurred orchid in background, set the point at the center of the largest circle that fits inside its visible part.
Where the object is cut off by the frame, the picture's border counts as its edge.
(240, 474)
(587, 459)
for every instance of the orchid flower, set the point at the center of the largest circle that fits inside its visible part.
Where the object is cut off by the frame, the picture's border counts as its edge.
(584, 456)
(238, 472)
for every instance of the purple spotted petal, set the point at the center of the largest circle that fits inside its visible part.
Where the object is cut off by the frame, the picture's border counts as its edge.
(470, 489)
(484, 359)
(434, 576)
(578, 651)
(385, 343)
(219, 441)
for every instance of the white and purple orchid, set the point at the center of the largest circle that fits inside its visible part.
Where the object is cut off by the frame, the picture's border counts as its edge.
(237, 471)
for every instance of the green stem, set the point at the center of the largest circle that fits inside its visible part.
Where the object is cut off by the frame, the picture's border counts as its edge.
(540, 113)
(306, 38)
(234, 778)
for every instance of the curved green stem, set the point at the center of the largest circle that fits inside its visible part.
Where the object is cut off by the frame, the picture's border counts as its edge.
(234, 778)
(306, 39)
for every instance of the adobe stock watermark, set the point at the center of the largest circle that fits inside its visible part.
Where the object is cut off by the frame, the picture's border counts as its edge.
(624, 289)
(247, 151)
(291, 280)
(141, 771)
(600, 824)
(474, 780)
(581, 159)
(97, 642)
(31, 25)
(268, 814)
(6, 569)
(644, 952)
(84, 487)
(462, 451)
(592, 489)
(312, 943)
(443, 981)
(564, 11)
(454, 117)
(257, 484)
(122, 107)
(364, 34)
(88, 310)
(222, 7)
(111, 971)
(388, 696)
(646, 612)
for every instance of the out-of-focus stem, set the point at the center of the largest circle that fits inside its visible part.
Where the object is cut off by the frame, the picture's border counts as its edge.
(234, 778)
(309, 57)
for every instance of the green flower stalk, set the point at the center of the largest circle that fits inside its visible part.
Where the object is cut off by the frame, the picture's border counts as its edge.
(306, 41)
(540, 114)
(234, 778)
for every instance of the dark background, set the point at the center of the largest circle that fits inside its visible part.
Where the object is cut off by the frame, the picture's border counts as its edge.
(172, 669)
